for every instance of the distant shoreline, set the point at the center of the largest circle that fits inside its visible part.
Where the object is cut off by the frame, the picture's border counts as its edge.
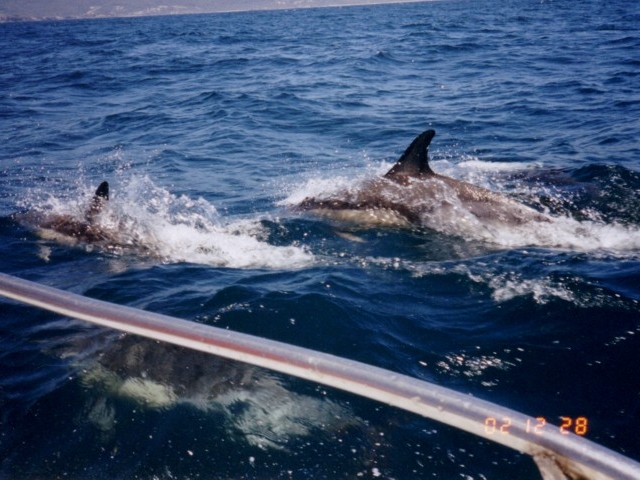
(19, 12)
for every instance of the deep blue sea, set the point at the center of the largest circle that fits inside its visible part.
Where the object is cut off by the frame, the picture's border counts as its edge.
(211, 128)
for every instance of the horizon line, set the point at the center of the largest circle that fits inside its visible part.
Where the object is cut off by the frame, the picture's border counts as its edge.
(175, 10)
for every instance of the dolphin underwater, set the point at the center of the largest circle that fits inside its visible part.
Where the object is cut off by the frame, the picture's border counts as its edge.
(252, 404)
(411, 194)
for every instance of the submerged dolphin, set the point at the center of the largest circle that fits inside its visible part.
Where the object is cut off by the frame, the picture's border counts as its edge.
(253, 404)
(411, 194)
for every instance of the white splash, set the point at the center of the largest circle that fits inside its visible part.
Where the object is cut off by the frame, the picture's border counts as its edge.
(146, 219)
(569, 233)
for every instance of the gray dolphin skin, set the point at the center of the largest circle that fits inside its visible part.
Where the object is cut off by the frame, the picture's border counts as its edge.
(411, 194)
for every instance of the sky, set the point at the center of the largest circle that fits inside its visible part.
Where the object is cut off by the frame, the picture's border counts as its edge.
(62, 9)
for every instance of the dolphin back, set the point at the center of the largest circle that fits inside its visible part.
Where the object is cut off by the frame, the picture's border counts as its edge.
(414, 162)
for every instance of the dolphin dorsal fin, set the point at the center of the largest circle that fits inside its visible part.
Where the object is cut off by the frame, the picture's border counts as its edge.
(414, 162)
(99, 199)
(102, 191)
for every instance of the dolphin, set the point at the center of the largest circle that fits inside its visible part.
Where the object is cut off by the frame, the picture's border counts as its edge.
(411, 194)
(71, 229)
(153, 224)
(253, 405)
(86, 228)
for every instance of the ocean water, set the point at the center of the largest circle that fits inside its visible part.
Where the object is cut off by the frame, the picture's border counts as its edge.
(211, 128)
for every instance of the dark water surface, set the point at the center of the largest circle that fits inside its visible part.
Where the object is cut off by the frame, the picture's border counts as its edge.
(210, 128)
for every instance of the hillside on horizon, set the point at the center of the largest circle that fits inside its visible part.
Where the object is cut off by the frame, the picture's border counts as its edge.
(33, 10)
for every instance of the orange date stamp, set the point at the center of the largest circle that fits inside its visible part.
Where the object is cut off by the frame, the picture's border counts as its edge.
(536, 426)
